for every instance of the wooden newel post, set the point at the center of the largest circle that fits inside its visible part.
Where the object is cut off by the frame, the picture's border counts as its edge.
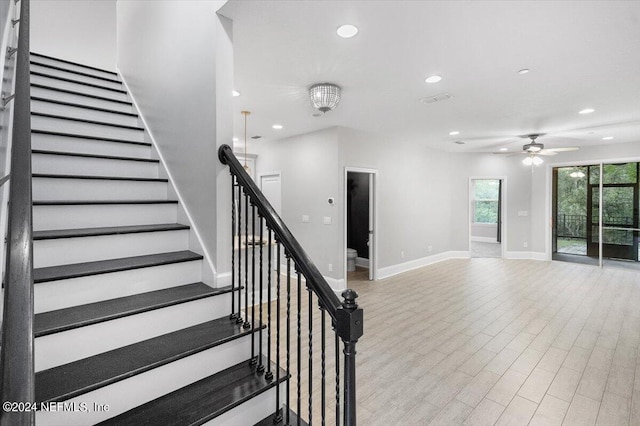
(350, 329)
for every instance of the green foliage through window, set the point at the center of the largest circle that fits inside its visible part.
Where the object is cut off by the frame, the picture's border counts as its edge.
(486, 200)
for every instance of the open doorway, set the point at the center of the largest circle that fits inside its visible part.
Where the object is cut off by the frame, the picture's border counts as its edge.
(486, 212)
(360, 224)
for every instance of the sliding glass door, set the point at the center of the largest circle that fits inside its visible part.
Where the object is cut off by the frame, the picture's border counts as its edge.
(588, 207)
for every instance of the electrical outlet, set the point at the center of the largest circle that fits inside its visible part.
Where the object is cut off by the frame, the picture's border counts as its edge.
(402, 254)
(525, 244)
(430, 249)
(327, 220)
(330, 267)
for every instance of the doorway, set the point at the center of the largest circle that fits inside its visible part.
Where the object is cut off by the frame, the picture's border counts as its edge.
(486, 213)
(596, 213)
(360, 224)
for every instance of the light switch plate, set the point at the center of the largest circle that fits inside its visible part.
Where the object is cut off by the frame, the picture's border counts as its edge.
(305, 218)
(327, 220)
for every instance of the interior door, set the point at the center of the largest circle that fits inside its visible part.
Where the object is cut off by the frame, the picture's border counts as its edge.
(370, 242)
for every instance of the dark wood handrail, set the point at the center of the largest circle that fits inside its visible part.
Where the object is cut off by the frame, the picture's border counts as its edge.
(16, 359)
(303, 262)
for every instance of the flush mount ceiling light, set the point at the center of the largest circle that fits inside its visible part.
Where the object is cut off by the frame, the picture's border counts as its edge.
(433, 79)
(277, 126)
(324, 96)
(586, 111)
(607, 138)
(524, 71)
(235, 93)
(455, 132)
(347, 31)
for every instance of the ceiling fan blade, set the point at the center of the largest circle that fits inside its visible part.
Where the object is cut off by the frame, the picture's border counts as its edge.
(547, 152)
(564, 149)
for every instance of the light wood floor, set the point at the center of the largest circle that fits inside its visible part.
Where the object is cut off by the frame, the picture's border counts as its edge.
(491, 341)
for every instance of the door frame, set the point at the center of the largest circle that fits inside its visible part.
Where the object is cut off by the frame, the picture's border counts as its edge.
(503, 211)
(373, 261)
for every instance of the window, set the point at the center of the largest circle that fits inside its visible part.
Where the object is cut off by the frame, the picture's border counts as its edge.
(485, 201)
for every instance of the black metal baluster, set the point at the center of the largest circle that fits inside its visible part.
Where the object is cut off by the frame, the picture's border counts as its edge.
(269, 374)
(246, 324)
(288, 335)
(233, 249)
(278, 417)
(310, 293)
(337, 378)
(323, 364)
(238, 242)
(260, 364)
(299, 347)
(253, 284)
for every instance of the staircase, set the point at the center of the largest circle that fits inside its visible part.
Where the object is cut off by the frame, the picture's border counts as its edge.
(125, 330)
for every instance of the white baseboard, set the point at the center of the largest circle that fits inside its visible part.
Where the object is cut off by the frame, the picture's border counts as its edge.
(525, 255)
(223, 279)
(390, 271)
(362, 262)
(337, 285)
(484, 239)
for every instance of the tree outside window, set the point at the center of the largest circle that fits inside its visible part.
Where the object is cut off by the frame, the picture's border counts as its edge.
(485, 201)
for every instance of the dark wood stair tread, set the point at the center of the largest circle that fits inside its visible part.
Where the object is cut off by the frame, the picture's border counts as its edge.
(293, 420)
(75, 270)
(90, 137)
(108, 230)
(86, 120)
(75, 105)
(73, 92)
(92, 313)
(98, 156)
(80, 82)
(201, 401)
(72, 63)
(87, 177)
(72, 71)
(97, 202)
(78, 377)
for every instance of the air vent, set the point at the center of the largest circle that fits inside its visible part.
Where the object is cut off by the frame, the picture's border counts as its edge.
(459, 142)
(436, 98)
(256, 137)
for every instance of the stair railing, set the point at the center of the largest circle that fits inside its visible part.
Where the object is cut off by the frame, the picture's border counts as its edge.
(250, 209)
(16, 358)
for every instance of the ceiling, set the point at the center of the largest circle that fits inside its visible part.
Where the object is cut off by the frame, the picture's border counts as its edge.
(580, 54)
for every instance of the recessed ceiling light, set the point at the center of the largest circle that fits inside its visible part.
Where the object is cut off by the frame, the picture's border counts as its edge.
(277, 126)
(235, 93)
(236, 139)
(504, 149)
(347, 31)
(433, 79)
(607, 138)
(587, 111)
(524, 71)
(455, 132)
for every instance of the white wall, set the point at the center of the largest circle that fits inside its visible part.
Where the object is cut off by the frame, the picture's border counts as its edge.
(177, 61)
(79, 31)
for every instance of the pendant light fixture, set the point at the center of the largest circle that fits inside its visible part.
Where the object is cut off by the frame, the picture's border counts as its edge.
(246, 167)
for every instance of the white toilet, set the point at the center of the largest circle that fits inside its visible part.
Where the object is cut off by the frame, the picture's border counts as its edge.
(351, 259)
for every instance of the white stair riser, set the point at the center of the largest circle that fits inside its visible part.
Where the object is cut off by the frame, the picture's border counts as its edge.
(65, 164)
(77, 87)
(251, 411)
(137, 390)
(73, 67)
(63, 251)
(90, 216)
(78, 99)
(94, 189)
(89, 129)
(62, 348)
(88, 146)
(77, 112)
(61, 294)
(79, 77)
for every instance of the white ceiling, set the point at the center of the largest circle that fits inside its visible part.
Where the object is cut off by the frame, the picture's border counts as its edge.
(582, 54)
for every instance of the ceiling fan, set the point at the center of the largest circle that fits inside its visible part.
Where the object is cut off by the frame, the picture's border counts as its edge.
(533, 149)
